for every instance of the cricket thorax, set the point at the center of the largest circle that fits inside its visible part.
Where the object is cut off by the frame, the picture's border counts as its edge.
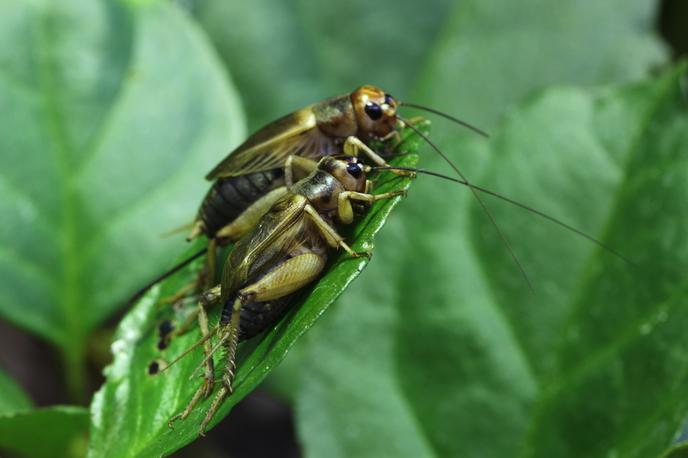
(335, 117)
(321, 189)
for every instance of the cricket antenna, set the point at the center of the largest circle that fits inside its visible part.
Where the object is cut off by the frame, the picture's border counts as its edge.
(528, 208)
(137, 295)
(505, 241)
(446, 116)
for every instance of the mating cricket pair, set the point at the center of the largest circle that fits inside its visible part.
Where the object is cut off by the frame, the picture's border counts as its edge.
(280, 196)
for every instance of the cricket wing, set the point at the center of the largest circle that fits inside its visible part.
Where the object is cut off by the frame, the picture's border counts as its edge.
(271, 241)
(297, 134)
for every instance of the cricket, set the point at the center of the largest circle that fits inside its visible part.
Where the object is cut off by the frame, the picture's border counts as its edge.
(280, 198)
(253, 176)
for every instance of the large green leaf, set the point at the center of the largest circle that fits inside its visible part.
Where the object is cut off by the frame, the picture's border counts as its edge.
(12, 396)
(111, 113)
(45, 433)
(471, 57)
(130, 413)
(285, 55)
(493, 52)
(474, 58)
(441, 355)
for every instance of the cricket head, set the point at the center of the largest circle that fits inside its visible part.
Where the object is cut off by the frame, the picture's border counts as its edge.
(347, 170)
(375, 110)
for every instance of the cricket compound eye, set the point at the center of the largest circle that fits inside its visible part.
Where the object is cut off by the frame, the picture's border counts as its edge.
(389, 100)
(373, 110)
(354, 170)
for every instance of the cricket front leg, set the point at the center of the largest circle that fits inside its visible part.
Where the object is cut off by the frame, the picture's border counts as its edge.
(297, 167)
(285, 279)
(353, 146)
(345, 211)
(331, 235)
(395, 137)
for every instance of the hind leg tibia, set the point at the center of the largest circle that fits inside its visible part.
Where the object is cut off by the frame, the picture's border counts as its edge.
(285, 279)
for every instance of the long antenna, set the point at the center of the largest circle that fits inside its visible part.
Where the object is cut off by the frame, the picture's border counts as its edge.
(518, 204)
(141, 291)
(447, 116)
(505, 241)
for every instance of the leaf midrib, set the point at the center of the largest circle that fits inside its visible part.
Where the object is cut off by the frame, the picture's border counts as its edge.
(68, 293)
(68, 287)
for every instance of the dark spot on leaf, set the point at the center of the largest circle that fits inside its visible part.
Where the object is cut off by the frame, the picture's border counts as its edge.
(153, 368)
(165, 327)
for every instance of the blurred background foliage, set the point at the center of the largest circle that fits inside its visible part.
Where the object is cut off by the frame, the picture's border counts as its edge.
(113, 112)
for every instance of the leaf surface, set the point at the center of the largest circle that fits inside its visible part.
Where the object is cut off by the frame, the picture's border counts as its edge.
(451, 355)
(12, 396)
(45, 433)
(104, 136)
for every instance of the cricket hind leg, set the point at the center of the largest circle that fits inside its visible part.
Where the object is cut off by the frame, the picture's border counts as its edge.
(255, 317)
(209, 370)
(182, 293)
(208, 298)
(191, 292)
(284, 280)
(295, 168)
(206, 280)
(250, 216)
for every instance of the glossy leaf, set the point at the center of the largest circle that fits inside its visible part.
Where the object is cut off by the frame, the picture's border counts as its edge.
(130, 413)
(104, 136)
(453, 356)
(46, 432)
(12, 396)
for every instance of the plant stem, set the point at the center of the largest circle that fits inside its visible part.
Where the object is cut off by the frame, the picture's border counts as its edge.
(74, 369)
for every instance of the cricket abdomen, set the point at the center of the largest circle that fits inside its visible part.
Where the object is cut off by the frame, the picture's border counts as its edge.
(256, 317)
(229, 197)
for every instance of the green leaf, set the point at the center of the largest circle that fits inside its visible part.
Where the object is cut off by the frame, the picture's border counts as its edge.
(491, 53)
(441, 349)
(130, 413)
(473, 57)
(285, 55)
(12, 396)
(677, 451)
(47, 432)
(111, 114)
